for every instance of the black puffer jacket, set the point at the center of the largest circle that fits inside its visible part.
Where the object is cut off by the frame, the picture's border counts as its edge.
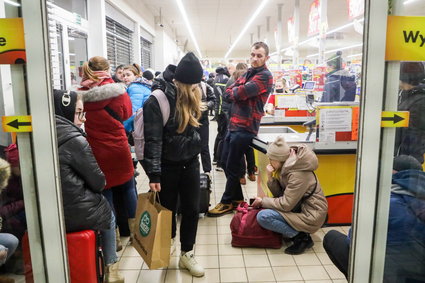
(82, 181)
(411, 140)
(163, 145)
(219, 88)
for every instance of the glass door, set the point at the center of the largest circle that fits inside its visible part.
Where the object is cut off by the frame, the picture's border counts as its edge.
(389, 225)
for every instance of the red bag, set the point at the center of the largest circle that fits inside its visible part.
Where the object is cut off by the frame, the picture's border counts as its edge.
(246, 232)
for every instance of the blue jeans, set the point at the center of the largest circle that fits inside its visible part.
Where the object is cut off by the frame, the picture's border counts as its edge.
(272, 220)
(108, 243)
(234, 147)
(129, 196)
(9, 243)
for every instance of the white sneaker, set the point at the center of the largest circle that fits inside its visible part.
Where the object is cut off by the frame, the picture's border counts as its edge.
(173, 246)
(189, 262)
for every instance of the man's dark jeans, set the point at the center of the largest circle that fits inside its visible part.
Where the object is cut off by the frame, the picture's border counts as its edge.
(234, 148)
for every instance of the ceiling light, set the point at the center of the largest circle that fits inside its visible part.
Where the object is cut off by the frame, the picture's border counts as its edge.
(355, 55)
(13, 3)
(408, 2)
(344, 48)
(188, 26)
(251, 19)
(312, 55)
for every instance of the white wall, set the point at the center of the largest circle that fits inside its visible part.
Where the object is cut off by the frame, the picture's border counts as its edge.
(165, 50)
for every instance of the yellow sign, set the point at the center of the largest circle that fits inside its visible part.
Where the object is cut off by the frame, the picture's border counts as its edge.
(17, 123)
(405, 39)
(12, 42)
(394, 119)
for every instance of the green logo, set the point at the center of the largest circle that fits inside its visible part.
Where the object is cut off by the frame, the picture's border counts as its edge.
(145, 224)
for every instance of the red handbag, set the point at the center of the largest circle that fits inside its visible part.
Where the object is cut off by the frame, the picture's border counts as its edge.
(246, 232)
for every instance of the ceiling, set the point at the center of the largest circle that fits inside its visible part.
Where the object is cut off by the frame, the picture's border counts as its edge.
(217, 23)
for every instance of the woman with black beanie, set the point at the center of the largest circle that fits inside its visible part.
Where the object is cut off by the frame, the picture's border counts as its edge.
(85, 207)
(171, 151)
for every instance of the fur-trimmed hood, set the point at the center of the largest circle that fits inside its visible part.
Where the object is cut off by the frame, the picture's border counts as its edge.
(103, 92)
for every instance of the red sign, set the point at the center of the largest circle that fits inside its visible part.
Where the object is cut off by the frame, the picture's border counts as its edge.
(314, 18)
(291, 30)
(355, 8)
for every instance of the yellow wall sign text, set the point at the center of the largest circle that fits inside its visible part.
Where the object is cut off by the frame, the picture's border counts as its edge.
(405, 39)
(12, 42)
(392, 119)
(17, 123)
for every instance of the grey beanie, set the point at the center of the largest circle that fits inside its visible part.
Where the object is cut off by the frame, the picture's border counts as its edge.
(406, 162)
(278, 150)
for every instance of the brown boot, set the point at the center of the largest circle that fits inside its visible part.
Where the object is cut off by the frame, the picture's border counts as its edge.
(113, 275)
(131, 223)
(118, 240)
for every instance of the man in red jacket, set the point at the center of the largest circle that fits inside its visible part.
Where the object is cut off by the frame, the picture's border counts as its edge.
(248, 95)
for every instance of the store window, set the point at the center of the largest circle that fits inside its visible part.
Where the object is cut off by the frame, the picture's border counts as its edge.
(119, 43)
(56, 49)
(146, 53)
(78, 7)
(77, 54)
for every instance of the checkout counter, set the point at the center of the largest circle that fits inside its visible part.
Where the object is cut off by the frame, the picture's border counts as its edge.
(334, 143)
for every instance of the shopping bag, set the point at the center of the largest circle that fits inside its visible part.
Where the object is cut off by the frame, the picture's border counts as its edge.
(152, 231)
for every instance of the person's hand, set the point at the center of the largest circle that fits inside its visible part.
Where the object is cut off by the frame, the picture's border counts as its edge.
(155, 187)
(270, 170)
(258, 202)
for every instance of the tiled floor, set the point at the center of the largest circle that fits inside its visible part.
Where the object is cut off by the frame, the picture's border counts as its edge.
(223, 263)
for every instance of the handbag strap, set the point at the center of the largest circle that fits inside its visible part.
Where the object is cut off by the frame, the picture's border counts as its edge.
(312, 192)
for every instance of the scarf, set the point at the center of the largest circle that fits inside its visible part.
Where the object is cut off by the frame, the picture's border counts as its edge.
(102, 75)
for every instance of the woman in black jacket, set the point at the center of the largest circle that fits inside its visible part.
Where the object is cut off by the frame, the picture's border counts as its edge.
(82, 181)
(171, 151)
(411, 140)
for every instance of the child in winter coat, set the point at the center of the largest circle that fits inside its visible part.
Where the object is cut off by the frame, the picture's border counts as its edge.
(138, 88)
(299, 206)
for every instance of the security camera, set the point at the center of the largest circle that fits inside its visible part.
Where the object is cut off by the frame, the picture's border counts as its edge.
(161, 25)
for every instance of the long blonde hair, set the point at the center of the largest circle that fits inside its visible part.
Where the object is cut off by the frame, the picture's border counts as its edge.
(188, 105)
(96, 63)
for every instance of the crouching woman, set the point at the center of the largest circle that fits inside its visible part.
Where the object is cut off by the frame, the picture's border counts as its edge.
(298, 207)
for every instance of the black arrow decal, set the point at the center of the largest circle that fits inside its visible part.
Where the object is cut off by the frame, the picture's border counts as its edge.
(16, 124)
(395, 119)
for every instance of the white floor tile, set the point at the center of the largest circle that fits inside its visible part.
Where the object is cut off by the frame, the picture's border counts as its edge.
(206, 239)
(313, 272)
(178, 276)
(206, 250)
(207, 261)
(306, 259)
(260, 274)
(230, 261)
(334, 272)
(131, 262)
(324, 258)
(256, 260)
(281, 260)
(253, 251)
(233, 275)
(229, 250)
(287, 273)
(211, 276)
(130, 275)
(152, 276)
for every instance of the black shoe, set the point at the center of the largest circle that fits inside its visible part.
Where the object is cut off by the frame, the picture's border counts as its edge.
(302, 241)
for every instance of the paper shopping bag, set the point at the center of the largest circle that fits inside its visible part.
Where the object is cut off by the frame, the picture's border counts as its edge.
(152, 231)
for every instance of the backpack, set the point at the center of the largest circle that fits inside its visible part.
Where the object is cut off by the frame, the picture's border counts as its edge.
(139, 126)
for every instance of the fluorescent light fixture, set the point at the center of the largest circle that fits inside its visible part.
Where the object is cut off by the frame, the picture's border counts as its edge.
(408, 2)
(355, 55)
(251, 19)
(188, 26)
(13, 3)
(338, 49)
(312, 55)
(344, 48)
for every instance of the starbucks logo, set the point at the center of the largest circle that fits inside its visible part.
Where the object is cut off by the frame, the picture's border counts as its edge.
(145, 224)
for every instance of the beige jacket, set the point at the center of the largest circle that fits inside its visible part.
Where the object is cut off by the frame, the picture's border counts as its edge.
(297, 180)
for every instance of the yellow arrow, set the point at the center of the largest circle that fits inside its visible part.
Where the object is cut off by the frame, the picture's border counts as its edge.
(17, 123)
(395, 119)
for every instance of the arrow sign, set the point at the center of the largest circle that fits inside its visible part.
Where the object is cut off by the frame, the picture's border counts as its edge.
(395, 119)
(17, 123)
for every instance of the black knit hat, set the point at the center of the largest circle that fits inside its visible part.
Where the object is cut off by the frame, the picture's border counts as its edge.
(406, 162)
(412, 72)
(148, 75)
(65, 103)
(189, 70)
